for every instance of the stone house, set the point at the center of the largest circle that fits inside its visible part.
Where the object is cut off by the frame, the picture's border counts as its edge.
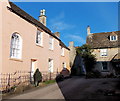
(27, 44)
(106, 46)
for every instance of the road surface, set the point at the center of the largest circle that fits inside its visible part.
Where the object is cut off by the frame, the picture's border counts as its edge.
(75, 88)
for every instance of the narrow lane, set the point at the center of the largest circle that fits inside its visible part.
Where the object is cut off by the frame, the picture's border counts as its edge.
(75, 88)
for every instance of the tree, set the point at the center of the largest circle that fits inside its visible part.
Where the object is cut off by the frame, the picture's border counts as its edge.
(89, 59)
(37, 77)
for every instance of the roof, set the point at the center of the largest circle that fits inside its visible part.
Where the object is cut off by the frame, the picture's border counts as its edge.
(15, 9)
(102, 40)
(116, 57)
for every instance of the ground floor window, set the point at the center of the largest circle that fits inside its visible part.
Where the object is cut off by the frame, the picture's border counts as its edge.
(104, 66)
(64, 64)
(50, 67)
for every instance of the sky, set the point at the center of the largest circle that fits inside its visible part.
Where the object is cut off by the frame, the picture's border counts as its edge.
(72, 18)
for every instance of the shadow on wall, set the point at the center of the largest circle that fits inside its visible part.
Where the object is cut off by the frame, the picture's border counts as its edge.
(78, 68)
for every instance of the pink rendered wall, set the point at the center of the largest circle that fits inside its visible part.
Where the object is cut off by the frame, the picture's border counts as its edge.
(13, 23)
(0, 37)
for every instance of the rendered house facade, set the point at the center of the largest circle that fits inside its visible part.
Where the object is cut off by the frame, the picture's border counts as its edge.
(27, 44)
(106, 47)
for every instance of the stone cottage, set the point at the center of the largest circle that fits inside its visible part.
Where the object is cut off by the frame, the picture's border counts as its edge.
(106, 46)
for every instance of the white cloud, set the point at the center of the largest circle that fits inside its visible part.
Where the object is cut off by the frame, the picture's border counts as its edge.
(77, 38)
(58, 23)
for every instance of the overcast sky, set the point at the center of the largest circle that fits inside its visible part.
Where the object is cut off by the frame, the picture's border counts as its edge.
(72, 18)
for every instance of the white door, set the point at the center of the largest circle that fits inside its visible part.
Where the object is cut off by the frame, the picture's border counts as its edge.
(33, 68)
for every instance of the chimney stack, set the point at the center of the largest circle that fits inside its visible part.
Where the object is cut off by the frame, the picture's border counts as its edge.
(42, 17)
(57, 34)
(71, 44)
(88, 30)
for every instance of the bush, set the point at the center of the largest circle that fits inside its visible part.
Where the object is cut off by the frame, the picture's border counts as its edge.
(59, 77)
(93, 74)
(37, 77)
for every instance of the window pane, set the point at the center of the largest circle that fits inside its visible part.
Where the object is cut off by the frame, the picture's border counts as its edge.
(15, 46)
(104, 64)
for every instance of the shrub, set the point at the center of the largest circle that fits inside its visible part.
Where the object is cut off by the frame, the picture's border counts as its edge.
(59, 77)
(93, 74)
(37, 77)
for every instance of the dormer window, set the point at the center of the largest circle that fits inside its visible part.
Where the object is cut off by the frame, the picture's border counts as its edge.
(113, 37)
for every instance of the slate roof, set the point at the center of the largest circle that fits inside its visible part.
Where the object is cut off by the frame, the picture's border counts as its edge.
(15, 9)
(102, 40)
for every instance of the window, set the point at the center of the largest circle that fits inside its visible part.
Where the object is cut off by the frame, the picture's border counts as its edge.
(50, 67)
(62, 51)
(51, 43)
(16, 46)
(103, 52)
(113, 38)
(104, 66)
(39, 38)
(64, 64)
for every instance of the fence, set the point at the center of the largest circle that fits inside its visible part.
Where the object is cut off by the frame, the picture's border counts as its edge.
(8, 80)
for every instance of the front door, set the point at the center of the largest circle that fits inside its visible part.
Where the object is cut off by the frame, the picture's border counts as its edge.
(33, 68)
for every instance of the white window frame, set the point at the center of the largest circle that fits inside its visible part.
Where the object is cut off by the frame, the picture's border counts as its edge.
(39, 38)
(62, 51)
(50, 65)
(51, 43)
(113, 37)
(103, 52)
(64, 65)
(16, 46)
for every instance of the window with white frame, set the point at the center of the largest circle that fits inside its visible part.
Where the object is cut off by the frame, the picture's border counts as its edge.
(16, 46)
(51, 41)
(64, 64)
(103, 52)
(62, 51)
(50, 67)
(113, 37)
(39, 38)
(104, 66)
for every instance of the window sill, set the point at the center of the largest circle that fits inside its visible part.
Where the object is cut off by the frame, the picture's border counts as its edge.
(50, 49)
(103, 56)
(105, 70)
(39, 45)
(14, 59)
(63, 55)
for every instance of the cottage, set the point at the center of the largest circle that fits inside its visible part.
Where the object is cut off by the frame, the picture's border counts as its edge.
(27, 44)
(106, 46)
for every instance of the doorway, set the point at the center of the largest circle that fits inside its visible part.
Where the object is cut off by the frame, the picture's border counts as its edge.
(33, 68)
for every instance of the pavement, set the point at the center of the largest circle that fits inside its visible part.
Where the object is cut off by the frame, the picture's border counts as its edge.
(74, 89)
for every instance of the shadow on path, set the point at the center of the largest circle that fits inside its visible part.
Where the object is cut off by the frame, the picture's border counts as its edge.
(81, 89)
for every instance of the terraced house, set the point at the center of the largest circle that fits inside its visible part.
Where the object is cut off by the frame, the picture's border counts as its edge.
(27, 44)
(106, 46)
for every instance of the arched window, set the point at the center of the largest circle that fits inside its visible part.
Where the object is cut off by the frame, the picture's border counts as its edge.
(16, 46)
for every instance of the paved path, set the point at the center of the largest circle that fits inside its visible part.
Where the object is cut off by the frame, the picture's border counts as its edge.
(74, 88)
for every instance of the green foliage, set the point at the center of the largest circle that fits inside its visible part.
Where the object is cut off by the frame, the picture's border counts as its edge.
(89, 59)
(37, 77)
(93, 74)
(49, 82)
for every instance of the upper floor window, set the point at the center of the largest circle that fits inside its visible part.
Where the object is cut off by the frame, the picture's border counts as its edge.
(51, 43)
(103, 52)
(39, 38)
(16, 46)
(62, 51)
(113, 37)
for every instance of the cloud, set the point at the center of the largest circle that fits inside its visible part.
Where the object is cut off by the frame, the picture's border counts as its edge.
(58, 23)
(77, 38)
